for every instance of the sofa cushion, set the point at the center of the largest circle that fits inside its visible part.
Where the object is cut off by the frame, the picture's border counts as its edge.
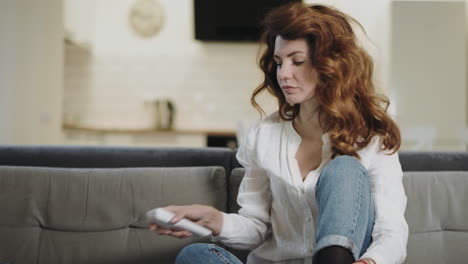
(437, 214)
(63, 215)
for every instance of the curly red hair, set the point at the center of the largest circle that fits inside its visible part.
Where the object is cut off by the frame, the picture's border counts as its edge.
(350, 109)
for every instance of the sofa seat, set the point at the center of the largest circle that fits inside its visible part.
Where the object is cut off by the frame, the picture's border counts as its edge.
(72, 215)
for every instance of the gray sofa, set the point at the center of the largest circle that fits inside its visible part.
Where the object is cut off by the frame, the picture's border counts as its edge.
(87, 204)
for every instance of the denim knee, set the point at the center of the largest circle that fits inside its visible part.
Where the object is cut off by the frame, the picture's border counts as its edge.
(342, 169)
(191, 252)
(206, 254)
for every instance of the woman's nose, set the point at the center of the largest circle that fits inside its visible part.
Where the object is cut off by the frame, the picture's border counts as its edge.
(284, 72)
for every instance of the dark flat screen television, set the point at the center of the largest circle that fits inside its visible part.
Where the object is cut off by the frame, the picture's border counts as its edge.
(235, 20)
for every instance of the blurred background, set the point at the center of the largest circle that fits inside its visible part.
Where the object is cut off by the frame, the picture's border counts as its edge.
(181, 72)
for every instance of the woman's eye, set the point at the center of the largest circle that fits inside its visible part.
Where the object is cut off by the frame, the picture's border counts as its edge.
(297, 63)
(278, 65)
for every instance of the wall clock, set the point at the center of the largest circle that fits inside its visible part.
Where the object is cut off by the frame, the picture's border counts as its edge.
(146, 17)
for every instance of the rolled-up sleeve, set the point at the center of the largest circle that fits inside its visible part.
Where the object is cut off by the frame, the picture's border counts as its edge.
(390, 233)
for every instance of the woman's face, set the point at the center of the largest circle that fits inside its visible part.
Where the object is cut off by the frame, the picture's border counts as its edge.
(294, 72)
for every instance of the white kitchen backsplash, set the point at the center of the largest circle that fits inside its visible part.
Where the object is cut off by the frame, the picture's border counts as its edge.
(210, 90)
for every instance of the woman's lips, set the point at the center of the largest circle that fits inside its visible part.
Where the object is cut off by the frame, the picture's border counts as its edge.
(288, 89)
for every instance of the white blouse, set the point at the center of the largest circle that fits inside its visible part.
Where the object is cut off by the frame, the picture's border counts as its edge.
(278, 209)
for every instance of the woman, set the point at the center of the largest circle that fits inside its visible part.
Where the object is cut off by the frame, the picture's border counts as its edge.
(323, 182)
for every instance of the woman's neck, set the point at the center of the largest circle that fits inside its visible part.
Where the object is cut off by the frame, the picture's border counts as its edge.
(307, 123)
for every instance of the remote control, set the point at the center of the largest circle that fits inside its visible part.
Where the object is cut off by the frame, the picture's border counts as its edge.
(163, 217)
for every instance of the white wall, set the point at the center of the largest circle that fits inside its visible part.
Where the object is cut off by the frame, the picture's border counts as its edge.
(422, 96)
(113, 34)
(428, 70)
(80, 19)
(210, 82)
(7, 71)
(32, 71)
(374, 16)
(216, 79)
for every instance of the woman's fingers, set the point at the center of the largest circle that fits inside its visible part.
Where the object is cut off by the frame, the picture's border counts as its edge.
(176, 233)
(160, 230)
(170, 232)
(181, 234)
(203, 215)
(179, 212)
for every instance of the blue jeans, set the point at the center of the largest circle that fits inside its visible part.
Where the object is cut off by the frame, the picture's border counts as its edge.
(206, 253)
(346, 209)
(346, 214)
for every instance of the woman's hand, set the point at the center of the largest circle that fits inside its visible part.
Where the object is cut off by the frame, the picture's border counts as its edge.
(206, 216)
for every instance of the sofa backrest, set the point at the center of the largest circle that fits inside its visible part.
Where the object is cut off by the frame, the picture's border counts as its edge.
(63, 215)
(116, 157)
(113, 157)
(433, 161)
